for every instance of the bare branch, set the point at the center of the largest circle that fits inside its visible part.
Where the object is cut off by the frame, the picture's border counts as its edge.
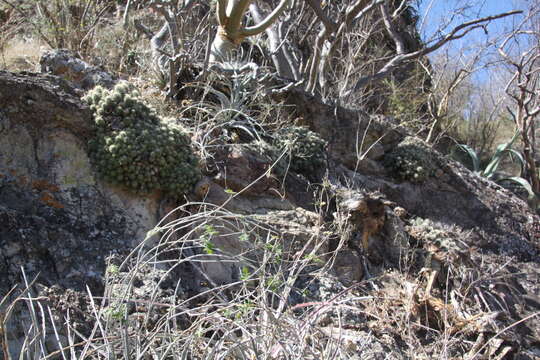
(394, 34)
(221, 12)
(456, 33)
(281, 60)
(259, 28)
(235, 12)
(324, 48)
(315, 5)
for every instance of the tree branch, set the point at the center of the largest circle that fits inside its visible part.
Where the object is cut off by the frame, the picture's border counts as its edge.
(313, 4)
(394, 34)
(259, 28)
(456, 33)
(221, 12)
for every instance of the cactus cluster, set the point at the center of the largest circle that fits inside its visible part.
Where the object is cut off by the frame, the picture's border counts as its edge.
(448, 238)
(304, 149)
(411, 161)
(135, 148)
(427, 230)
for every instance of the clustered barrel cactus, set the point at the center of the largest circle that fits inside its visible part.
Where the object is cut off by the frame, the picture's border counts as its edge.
(135, 148)
(449, 238)
(411, 161)
(304, 148)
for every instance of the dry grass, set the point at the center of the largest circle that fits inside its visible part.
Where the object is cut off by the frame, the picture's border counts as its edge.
(163, 301)
(22, 54)
(249, 318)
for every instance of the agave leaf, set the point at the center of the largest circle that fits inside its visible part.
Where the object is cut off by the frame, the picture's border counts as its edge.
(490, 170)
(522, 182)
(223, 99)
(251, 132)
(503, 148)
(519, 156)
(472, 154)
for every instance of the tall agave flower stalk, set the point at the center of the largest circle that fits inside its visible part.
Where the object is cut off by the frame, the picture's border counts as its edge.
(231, 32)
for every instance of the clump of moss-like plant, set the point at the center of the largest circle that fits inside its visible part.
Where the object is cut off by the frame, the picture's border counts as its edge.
(430, 232)
(135, 148)
(304, 149)
(411, 161)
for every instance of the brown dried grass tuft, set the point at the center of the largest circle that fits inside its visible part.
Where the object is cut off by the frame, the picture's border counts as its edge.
(21, 54)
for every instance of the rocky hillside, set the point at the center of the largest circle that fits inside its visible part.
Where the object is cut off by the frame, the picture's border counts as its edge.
(342, 237)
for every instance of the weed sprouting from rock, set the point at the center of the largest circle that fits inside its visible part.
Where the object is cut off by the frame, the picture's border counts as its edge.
(135, 148)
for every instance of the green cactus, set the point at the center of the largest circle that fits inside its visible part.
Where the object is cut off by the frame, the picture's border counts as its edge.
(448, 238)
(411, 161)
(304, 149)
(135, 148)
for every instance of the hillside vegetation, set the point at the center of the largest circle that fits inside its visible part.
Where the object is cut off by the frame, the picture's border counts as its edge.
(266, 180)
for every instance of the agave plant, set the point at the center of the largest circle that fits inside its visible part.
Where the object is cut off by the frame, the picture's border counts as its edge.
(490, 171)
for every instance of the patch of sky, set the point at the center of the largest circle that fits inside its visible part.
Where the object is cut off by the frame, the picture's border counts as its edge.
(439, 17)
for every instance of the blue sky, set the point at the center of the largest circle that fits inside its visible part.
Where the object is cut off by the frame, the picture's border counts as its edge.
(439, 11)
(435, 14)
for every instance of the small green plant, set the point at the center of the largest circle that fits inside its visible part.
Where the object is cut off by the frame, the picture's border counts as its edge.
(305, 292)
(314, 259)
(273, 283)
(113, 269)
(244, 308)
(490, 171)
(276, 250)
(135, 148)
(209, 247)
(243, 237)
(411, 161)
(117, 312)
(209, 232)
(245, 273)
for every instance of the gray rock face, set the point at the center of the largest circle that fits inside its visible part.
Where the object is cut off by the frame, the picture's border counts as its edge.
(453, 195)
(63, 63)
(40, 235)
(58, 219)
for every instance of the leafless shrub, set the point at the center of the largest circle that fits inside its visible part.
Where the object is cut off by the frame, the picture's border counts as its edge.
(524, 85)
